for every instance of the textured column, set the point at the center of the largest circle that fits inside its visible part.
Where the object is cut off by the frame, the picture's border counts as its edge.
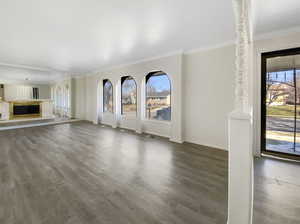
(242, 54)
(240, 189)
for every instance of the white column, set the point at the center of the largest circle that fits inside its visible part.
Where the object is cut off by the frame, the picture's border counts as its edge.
(240, 189)
(117, 103)
(4, 111)
(140, 102)
(176, 101)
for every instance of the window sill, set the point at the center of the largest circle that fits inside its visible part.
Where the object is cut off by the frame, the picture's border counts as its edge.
(157, 121)
(128, 117)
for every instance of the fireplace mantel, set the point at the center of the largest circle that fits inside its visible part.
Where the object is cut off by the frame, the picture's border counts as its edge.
(28, 101)
(26, 109)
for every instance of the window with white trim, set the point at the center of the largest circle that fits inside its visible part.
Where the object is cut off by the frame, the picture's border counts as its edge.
(158, 96)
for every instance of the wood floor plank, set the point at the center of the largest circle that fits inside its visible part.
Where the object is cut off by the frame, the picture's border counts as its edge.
(83, 173)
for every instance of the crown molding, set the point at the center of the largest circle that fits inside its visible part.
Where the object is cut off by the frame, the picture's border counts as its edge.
(210, 47)
(29, 67)
(257, 37)
(173, 53)
(80, 76)
(23, 82)
(113, 67)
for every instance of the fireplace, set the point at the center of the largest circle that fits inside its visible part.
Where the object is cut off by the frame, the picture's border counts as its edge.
(25, 110)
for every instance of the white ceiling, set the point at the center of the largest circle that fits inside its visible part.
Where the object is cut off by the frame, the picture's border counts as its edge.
(84, 35)
(27, 75)
(62, 37)
(276, 15)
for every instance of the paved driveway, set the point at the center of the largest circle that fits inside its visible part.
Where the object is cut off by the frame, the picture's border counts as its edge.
(282, 124)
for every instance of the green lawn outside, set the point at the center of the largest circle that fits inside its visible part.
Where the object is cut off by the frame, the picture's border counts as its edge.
(282, 111)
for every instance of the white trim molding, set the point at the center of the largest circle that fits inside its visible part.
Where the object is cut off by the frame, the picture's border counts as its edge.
(29, 67)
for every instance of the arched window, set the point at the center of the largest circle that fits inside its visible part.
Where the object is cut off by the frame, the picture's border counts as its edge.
(158, 96)
(107, 96)
(128, 95)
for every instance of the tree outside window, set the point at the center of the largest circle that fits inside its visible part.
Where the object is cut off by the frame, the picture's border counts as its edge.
(158, 96)
(129, 96)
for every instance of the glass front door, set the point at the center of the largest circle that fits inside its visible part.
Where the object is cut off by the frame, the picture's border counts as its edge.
(281, 102)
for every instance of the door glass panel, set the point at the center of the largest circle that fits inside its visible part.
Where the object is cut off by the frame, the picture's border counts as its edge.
(297, 135)
(282, 112)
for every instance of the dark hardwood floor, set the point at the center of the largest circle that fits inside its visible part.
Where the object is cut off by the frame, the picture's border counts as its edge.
(79, 173)
(277, 192)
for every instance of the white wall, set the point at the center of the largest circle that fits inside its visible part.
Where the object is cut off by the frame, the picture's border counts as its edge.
(203, 85)
(91, 100)
(208, 95)
(24, 92)
(44, 91)
(172, 65)
(80, 98)
(207, 92)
